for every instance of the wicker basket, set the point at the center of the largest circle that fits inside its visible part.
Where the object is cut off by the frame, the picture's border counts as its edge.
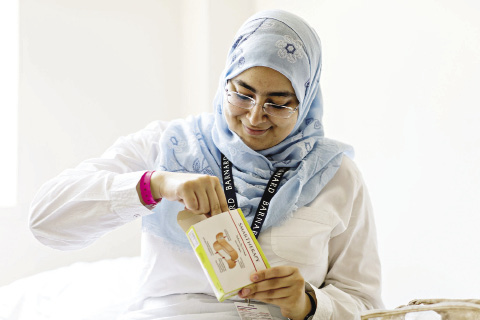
(434, 309)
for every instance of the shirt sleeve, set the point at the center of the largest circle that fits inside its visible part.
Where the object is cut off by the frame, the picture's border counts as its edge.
(353, 281)
(80, 205)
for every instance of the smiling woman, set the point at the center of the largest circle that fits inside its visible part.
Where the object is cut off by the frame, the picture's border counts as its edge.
(266, 120)
(8, 101)
(404, 94)
(261, 107)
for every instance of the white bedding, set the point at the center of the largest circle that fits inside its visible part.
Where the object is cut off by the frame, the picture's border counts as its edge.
(94, 291)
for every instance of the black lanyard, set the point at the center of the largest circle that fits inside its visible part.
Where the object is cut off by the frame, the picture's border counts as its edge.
(270, 191)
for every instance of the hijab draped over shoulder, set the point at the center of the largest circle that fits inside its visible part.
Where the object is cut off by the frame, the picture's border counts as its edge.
(286, 43)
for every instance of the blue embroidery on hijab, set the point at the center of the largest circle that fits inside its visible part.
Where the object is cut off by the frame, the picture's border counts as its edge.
(290, 48)
(317, 124)
(241, 62)
(175, 144)
(237, 42)
(243, 38)
(308, 147)
(201, 168)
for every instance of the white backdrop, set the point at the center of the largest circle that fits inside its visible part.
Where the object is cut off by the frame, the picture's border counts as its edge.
(399, 80)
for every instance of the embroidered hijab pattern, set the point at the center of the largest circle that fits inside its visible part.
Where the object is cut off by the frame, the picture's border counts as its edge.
(290, 48)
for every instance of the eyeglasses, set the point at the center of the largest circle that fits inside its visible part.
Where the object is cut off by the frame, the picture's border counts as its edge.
(245, 102)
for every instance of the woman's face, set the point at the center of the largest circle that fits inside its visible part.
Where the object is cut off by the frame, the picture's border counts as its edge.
(257, 129)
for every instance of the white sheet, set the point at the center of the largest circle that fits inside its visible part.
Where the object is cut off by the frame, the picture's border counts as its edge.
(94, 291)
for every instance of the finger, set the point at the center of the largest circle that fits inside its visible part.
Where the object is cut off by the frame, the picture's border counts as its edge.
(294, 283)
(270, 294)
(221, 197)
(214, 201)
(270, 273)
(203, 202)
(189, 199)
(273, 284)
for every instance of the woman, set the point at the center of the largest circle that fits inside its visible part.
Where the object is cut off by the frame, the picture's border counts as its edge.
(318, 234)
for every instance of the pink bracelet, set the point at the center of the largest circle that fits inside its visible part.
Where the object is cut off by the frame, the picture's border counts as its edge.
(145, 190)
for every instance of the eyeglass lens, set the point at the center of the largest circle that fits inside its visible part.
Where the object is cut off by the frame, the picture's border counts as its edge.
(245, 102)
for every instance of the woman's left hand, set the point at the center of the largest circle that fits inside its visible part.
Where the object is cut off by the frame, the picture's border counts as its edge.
(283, 286)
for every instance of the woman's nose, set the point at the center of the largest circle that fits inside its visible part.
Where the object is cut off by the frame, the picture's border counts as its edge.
(256, 115)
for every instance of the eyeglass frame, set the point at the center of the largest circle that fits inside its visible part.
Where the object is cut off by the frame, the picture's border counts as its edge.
(253, 103)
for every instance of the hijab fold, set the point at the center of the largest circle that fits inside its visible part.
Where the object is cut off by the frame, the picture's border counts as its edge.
(287, 44)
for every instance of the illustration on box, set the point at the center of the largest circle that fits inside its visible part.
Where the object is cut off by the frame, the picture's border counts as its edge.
(222, 244)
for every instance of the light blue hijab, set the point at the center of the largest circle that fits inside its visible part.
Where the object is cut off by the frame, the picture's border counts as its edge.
(286, 43)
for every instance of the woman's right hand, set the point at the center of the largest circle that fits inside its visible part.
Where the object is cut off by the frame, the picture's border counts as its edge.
(200, 193)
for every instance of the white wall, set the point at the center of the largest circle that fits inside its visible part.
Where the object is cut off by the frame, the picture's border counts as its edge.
(399, 82)
(9, 57)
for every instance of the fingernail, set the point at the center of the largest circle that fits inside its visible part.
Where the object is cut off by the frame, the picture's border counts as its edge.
(255, 277)
(246, 292)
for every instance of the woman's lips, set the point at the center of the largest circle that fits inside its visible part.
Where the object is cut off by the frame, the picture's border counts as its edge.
(254, 132)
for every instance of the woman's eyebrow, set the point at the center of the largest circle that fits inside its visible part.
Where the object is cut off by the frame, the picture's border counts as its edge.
(274, 94)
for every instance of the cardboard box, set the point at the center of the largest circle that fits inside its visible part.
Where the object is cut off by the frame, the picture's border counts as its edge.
(226, 248)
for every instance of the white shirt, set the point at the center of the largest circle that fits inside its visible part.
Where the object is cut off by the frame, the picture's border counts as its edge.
(332, 240)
